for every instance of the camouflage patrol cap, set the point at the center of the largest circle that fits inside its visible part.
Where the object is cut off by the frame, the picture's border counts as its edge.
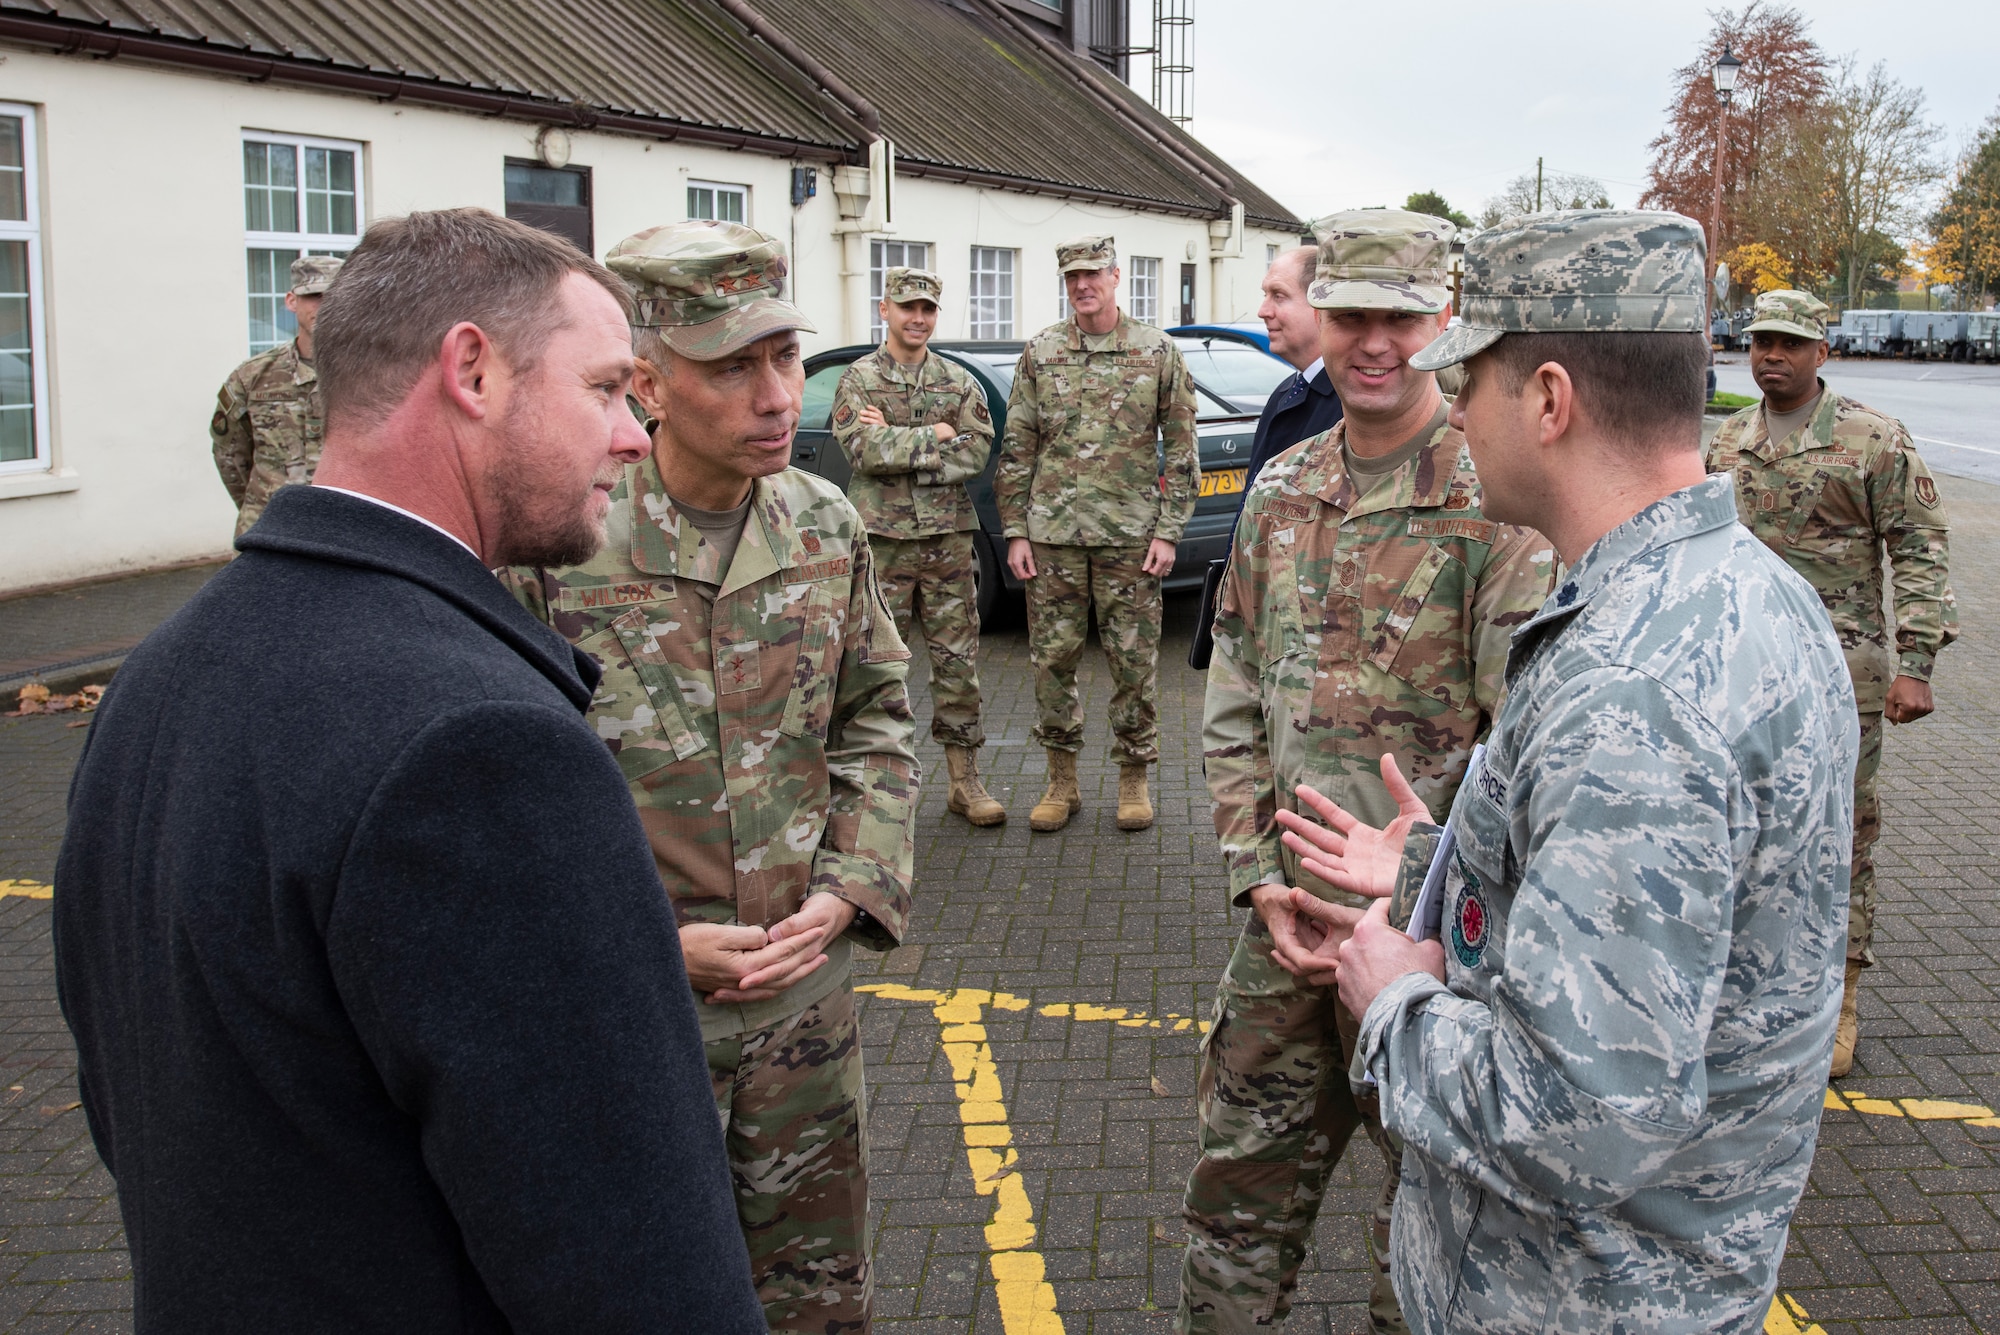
(1582, 271)
(1085, 253)
(1790, 312)
(709, 288)
(902, 285)
(1382, 260)
(312, 275)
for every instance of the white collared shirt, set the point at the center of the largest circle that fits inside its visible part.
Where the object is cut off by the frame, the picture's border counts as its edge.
(407, 514)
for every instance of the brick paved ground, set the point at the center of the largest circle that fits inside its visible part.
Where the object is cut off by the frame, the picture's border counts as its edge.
(91, 623)
(1899, 1230)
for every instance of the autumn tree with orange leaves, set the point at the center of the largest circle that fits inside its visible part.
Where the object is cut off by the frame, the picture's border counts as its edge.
(1778, 95)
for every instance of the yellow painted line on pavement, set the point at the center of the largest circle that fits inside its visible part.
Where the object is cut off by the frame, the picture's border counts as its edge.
(1027, 1301)
(1922, 1110)
(1786, 1317)
(27, 889)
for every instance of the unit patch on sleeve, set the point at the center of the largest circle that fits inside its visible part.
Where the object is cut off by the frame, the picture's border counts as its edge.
(1469, 924)
(845, 415)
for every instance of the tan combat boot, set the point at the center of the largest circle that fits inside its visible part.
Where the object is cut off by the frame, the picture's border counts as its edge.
(968, 797)
(1135, 809)
(1849, 1033)
(1062, 800)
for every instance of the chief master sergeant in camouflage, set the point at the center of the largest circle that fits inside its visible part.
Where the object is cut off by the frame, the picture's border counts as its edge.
(1091, 518)
(1607, 1074)
(753, 694)
(1365, 613)
(1829, 484)
(915, 427)
(268, 419)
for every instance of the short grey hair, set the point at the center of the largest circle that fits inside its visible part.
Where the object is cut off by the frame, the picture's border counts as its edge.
(648, 346)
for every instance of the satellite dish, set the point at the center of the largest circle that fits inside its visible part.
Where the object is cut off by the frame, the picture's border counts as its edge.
(1721, 279)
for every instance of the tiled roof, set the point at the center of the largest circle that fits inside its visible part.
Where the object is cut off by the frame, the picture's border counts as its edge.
(959, 87)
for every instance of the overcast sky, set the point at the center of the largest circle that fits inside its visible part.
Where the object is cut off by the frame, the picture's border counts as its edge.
(1459, 97)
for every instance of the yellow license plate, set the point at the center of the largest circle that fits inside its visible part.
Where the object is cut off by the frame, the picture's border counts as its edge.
(1223, 482)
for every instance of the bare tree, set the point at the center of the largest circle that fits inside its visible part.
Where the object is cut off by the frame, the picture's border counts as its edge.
(1965, 231)
(1786, 203)
(1559, 190)
(1881, 163)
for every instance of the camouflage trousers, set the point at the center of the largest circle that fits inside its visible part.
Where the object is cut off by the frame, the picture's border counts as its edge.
(928, 585)
(1067, 582)
(1867, 825)
(794, 1122)
(1276, 1113)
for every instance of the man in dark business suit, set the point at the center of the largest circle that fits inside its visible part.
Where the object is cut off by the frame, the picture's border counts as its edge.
(380, 1010)
(1304, 404)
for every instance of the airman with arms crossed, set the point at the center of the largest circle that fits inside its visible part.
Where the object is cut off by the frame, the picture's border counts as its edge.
(915, 428)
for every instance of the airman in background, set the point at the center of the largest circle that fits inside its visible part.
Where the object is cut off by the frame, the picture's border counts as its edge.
(268, 420)
(1092, 519)
(1831, 485)
(753, 693)
(1366, 612)
(915, 428)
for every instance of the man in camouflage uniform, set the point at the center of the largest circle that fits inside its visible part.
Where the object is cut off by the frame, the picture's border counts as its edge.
(268, 421)
(1091, 518)
(915, 427)
(1830, 484)
(753, 693)
(1365, 612)
(1606, 1060)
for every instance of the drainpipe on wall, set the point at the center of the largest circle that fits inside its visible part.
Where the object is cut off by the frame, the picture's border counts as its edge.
(1225, 242)
(866, 198)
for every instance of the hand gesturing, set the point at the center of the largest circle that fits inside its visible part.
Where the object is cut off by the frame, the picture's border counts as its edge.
(1351, 856)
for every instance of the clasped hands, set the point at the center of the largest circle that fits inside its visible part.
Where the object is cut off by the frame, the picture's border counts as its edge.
(872, 416)
(731, 963)
(1332, 945)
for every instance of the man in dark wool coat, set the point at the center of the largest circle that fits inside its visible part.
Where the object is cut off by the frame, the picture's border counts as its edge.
(380, 1008)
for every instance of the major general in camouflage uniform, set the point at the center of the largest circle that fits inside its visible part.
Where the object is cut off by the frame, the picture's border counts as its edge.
(1365, 613)
(1606, 1061)
(1092, 518)
(1830, 485)
(915, 428)
(268, 420)
(753, 693)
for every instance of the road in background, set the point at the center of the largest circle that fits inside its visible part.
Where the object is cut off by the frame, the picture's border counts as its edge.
(1952, 410)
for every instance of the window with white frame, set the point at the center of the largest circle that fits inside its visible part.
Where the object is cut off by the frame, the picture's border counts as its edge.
(882, 257)
(24, 429)
(1270, 256)
(719, 202)
(991, 300)
(301, 196)
(1146, 290)
(1062, 295)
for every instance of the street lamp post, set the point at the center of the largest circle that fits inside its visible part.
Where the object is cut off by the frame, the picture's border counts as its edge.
(1724, 72)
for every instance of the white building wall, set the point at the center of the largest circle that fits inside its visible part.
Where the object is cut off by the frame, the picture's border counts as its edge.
(143, 261)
